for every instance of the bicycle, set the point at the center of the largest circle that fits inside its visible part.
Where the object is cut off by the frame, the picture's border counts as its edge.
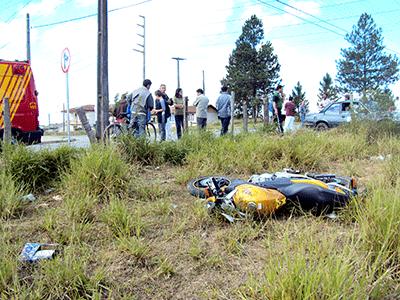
(122, 126)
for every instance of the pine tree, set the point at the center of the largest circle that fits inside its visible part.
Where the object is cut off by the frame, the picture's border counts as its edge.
(379, 100)
(365, 65)
(299, 96)
(328, 88)
(253, 68)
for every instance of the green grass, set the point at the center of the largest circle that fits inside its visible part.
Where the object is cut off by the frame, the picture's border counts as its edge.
(100, 173)
(10, 196)
(36, 171)
(128, 228)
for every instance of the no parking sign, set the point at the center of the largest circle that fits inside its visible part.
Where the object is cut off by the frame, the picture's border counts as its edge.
(65, 64)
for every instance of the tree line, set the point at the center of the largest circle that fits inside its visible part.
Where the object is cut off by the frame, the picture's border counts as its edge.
(364, 68)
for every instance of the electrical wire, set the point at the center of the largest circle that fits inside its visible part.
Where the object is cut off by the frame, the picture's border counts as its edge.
(14, 15)
(301, 18)
(89, 16)
(311, 15)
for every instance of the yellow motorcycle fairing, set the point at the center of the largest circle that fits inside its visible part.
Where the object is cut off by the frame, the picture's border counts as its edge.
(311, 181)
(250, 197)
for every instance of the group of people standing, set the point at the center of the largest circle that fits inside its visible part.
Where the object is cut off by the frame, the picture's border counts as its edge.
(141, 105)
(279, 105)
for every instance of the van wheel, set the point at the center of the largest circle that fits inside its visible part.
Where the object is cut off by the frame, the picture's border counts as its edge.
(322, 126)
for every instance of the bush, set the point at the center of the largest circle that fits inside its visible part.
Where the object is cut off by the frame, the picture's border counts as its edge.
(379, 223)
(380, 129)
(100, 173)
(35, 171)
(319, 266)
(145, 152)
(174, 153)
(8, 266)
(65, 277)
(140, 151)
(10, 196)
(371, 131)
(121, 221)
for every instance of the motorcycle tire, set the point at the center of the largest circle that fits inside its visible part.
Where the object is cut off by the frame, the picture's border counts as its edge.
(198, 185)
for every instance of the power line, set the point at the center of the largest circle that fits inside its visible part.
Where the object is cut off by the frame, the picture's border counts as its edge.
(13, 16)
(301, 18)
(89, 16)
(311, 15)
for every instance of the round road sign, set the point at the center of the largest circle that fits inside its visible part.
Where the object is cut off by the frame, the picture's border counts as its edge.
(65, 60)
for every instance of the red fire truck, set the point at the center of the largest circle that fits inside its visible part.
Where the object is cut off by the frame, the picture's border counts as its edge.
(18, 85)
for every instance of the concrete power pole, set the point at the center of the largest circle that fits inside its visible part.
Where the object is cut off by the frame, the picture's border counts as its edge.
(204, 84)
(142, 46)
(178, 59)
(28, 38)
(102, 69)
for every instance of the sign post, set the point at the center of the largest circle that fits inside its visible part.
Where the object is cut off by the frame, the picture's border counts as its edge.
(65, 64)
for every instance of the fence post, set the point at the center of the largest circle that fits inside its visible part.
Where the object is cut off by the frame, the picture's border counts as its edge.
(185, 115)
(7, 122)
(232, 112)
(85, 123)
(266, 111)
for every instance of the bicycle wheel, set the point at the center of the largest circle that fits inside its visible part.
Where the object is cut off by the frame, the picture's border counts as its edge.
(151, 132)
(112, 132)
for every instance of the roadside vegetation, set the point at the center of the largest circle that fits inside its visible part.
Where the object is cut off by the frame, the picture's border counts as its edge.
(127, 227)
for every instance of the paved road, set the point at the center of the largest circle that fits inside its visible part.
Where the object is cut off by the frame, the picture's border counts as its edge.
(52, 142)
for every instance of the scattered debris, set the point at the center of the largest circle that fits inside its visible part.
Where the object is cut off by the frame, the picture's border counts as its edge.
(28, 198)
(57, 198)
(332, 216)
(174, 206)
(49, 191)
(381, 157)
(33, 252)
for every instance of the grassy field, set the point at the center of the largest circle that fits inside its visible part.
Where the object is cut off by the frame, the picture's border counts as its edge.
(128, 229)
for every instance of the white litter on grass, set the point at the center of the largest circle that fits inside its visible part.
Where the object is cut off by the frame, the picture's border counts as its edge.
(332, 216)
(57, 198)
(28, 198)
(381, 157)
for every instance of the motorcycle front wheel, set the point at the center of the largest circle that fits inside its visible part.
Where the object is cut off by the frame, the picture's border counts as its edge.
(197, 186)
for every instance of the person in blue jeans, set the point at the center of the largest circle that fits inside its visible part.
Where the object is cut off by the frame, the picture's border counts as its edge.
(142, 104)
(178, 105)
(224, 109)
(160, 111)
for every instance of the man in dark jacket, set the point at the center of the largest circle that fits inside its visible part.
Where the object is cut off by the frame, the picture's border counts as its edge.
(277, 102)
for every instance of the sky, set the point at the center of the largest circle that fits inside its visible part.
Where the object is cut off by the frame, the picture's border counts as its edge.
(306, 35)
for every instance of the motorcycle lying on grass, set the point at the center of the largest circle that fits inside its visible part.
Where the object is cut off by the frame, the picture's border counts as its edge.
(269, 192)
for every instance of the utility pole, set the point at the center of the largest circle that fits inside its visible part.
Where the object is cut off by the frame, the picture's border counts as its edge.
(7, 121)
(63, 117)
(28, 38)
(178, 59)
(143, 46)
(204, 84)
(102, 69)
